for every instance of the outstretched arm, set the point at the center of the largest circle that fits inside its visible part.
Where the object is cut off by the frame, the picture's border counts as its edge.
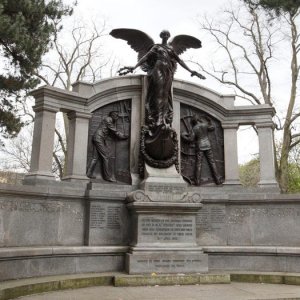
(183, 64)
(126, 70)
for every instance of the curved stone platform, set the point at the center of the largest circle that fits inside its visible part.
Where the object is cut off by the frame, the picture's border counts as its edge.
(26, 262)
(278, 281)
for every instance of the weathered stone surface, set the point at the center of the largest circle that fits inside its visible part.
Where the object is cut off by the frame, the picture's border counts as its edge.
(163, 224)
(211, 222)
(164, 238)
(165, 229)
(164, 185)
(249, 221)
(17, 288)
(107, 223)
(182, 279)
(45, 266)
(31, 222)
(166, 262)
(253, 258)
(259, 278)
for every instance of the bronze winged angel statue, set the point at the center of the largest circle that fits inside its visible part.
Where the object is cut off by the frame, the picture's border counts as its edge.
(159, 147)
(160, 62)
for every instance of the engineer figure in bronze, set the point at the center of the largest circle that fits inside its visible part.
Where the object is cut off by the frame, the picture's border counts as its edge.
(199, 135)
(101, 150)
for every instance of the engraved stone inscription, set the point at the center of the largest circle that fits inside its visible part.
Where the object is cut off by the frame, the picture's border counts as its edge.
(36, 207)
(168, 263)
(97, 216)
(166, 192)
(278, 212)
(211, 218)
(164, 188)
(167, 229)
(104, 216)
(113, 217)
(238, 215)
(184, 261)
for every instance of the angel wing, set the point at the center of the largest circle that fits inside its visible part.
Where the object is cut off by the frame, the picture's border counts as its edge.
(138, 40)
(181, 43)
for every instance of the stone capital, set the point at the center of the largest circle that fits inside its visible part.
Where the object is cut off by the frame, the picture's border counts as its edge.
(265, 125)
(230, 126)
(45, 107)
(80, 115)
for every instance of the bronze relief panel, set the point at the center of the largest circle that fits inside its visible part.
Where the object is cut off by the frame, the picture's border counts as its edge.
(109, 143)
(202, 147)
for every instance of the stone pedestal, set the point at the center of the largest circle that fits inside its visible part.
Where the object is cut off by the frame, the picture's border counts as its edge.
(163, 184)
(163, 233)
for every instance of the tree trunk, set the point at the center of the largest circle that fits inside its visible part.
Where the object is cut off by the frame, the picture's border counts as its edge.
(283, 179)
(286, 141)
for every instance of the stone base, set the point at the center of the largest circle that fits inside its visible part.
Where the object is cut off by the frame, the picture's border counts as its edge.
(124, 280)
(163, 184)
(269, 183)
(166, 261)
(76, 178)
(163, 238)
(36, 178)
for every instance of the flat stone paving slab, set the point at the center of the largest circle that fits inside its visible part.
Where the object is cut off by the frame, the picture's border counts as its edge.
(233, 291)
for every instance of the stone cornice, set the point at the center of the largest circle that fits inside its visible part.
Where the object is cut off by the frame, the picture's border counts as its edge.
(114, 91)
(62, 99)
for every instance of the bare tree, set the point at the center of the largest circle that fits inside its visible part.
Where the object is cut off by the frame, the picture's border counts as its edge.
(78, 57)
(247, 40)
(17, 152)
(76, 54)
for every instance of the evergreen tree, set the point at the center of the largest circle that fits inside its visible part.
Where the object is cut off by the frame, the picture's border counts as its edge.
(26, 28)
(277, 6)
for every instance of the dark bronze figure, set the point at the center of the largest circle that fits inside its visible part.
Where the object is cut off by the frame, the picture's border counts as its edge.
(160, 62)
(199, 134)
(158, 140)
(101, 149)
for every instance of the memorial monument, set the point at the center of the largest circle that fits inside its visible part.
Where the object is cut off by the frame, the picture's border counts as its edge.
(152, 181)
(163, 212)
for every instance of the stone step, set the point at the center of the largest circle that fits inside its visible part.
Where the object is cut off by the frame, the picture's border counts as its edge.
(17, 288)
(165, 279)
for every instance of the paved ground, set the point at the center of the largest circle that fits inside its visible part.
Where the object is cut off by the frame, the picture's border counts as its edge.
(233, 291)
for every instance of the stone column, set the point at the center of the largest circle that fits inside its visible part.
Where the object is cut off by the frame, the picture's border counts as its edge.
(42, 145)
(77, 146)
(231, 154)
(266, 155)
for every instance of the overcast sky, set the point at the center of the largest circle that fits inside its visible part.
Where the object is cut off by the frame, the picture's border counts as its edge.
(179, 17)
(150, 16)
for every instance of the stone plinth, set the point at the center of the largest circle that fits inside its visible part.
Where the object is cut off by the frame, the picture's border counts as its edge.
(164, 184)
(163, 236)
(155, 261)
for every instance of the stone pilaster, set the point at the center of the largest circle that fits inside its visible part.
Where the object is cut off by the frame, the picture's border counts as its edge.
(266, 154)
(42, 145)
(77, 146)
(231, 154)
